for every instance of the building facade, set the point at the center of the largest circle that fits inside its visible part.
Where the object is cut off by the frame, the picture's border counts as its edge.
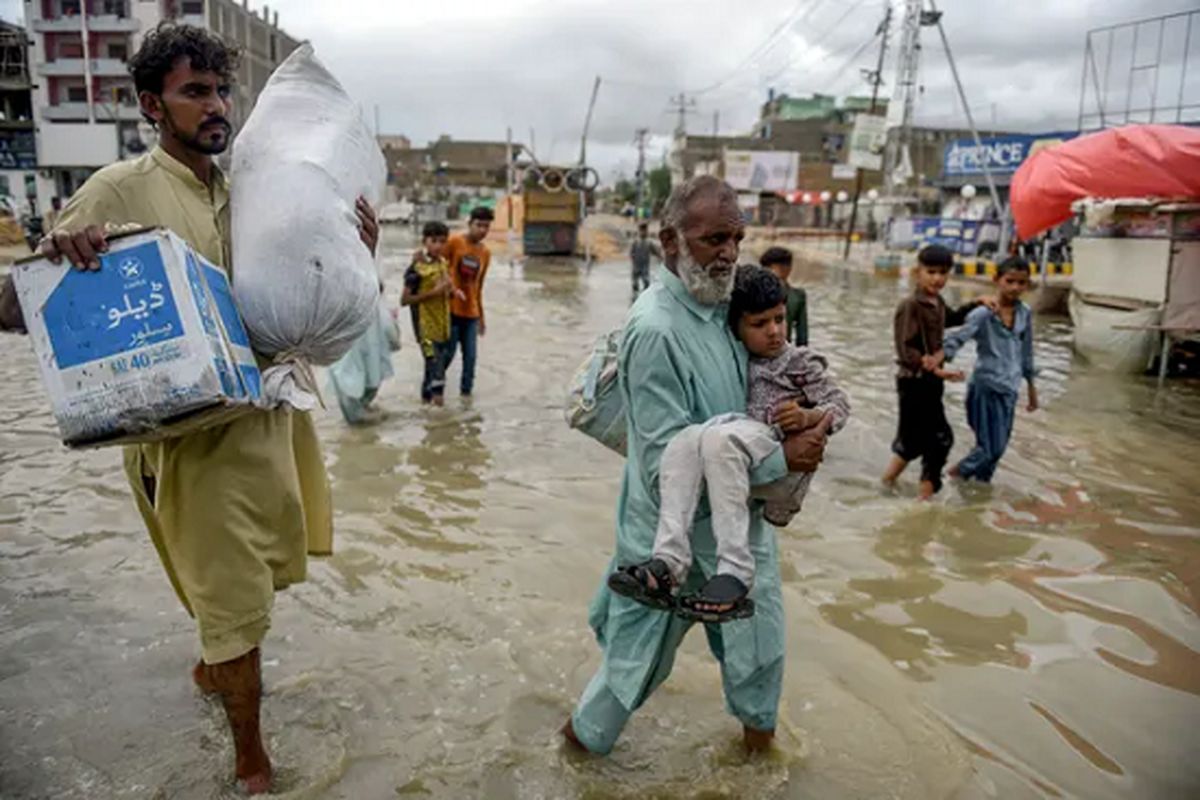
(18, 147)
(85, 108)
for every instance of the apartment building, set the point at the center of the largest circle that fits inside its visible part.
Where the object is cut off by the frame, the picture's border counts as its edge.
(18, 149)
(85, 108)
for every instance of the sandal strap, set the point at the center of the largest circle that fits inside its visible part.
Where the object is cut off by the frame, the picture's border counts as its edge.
(720, 589)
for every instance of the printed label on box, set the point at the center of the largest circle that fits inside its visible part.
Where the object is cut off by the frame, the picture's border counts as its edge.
(90, 319)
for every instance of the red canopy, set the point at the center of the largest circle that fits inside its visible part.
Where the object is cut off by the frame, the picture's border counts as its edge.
(1133, 161)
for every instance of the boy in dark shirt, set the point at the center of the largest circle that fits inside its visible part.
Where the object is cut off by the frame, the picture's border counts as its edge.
(920, 322)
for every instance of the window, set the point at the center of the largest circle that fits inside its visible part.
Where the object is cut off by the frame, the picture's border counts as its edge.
(70, 49)
(70, 7)
(193, 7)
(76, 94)
(116, 8)
(274, 48)
(118, 50)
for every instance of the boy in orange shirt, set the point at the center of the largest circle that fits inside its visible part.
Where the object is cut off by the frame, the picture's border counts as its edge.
(468, 258)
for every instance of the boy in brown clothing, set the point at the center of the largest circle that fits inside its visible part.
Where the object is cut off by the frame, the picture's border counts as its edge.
(921, 320)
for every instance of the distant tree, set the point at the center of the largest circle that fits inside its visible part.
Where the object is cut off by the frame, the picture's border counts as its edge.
(660, 186)
(625, 190)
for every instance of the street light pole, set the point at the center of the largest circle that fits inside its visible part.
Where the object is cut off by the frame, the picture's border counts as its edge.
(877, 79)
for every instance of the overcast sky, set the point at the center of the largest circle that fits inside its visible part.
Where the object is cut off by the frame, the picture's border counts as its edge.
(470, 69)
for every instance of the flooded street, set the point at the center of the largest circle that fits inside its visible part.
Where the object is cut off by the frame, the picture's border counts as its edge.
(1039, 637)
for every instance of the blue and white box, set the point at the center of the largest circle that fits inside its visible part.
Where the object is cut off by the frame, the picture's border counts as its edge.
(149, 347)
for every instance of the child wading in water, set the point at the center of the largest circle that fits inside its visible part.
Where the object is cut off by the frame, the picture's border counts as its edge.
(1004, 345)
(427, 290)
(720, 454)
(920, 323)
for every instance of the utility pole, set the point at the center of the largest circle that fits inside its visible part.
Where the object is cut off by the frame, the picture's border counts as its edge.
(639, 138)
(876, 81)
(587, 124)
(509, 179)
(682, 105)
(908, 62)
(934, 17)
(716, 123)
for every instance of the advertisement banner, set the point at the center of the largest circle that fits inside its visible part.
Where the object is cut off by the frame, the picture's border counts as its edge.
(1003, 154)
(868, 141)
(761, 171)
(844, 172)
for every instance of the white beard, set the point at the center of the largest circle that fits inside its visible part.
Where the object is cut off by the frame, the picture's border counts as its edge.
(707, 289)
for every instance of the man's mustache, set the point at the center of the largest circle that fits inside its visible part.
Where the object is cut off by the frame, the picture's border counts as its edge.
(214, 121)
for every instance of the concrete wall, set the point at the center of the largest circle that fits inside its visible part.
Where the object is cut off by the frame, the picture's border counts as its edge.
(76, 145)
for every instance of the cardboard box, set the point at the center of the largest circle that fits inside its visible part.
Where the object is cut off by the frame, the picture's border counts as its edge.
(149, 347)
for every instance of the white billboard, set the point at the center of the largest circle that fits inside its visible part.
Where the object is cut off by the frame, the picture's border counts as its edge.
(868, 141)
(761, 171)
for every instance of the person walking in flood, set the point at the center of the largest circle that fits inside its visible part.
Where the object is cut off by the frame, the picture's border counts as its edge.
(1004, 346)
(357, 377)
(468, 258)
(719, 455)
(919, 325)
(680, 364)
(640, 252)
(232, 509)
(779, 261)
(427, 290)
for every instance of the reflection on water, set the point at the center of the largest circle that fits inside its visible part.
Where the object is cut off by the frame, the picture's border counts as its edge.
(1035, 637)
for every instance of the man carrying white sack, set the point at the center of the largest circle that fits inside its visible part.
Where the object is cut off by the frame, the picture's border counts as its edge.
(232, 510)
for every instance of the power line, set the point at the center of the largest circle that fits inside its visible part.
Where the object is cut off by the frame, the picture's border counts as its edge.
(765, 45)
(819, 38)
(683, 105)
(840, 73)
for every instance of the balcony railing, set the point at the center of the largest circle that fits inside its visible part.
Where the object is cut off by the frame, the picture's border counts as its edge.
(100, 23)
(78, 112)
(73, 67)
(66, 112)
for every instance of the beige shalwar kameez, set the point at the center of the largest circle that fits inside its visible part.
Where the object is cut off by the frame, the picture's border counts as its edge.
(232, 510)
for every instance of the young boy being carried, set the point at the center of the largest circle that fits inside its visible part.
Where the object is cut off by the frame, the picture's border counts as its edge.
(779, 261)
(1004, 346)
(427, 289)
(720, 454)
(921, 320)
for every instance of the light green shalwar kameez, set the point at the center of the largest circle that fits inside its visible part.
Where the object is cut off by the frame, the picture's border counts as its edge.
(680, 365)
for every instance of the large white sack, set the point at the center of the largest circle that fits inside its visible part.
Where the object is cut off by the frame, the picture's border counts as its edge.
(303, 280)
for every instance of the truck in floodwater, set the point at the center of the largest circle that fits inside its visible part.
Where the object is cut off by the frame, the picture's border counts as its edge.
(552, 209)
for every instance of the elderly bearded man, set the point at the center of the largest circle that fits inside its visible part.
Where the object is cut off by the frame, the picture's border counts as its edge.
(679, 365)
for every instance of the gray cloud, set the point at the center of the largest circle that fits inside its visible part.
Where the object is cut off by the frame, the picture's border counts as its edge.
(471, 69)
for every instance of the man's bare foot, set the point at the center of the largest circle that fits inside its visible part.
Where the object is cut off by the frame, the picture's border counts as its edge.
(439, 400)
(568, 733)
(925, 491)
(757, 741)
(955, 473)
(239, 682)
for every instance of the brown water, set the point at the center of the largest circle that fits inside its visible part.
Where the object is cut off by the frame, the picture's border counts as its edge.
(1036, 638)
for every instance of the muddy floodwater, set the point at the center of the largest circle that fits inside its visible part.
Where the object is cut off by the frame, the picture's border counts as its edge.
(1036, 638)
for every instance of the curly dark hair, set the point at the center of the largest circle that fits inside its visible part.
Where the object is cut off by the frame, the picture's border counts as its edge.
(169, 42)
(755, 290)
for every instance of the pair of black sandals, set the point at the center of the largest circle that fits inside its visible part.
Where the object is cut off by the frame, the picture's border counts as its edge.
(650, 583)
